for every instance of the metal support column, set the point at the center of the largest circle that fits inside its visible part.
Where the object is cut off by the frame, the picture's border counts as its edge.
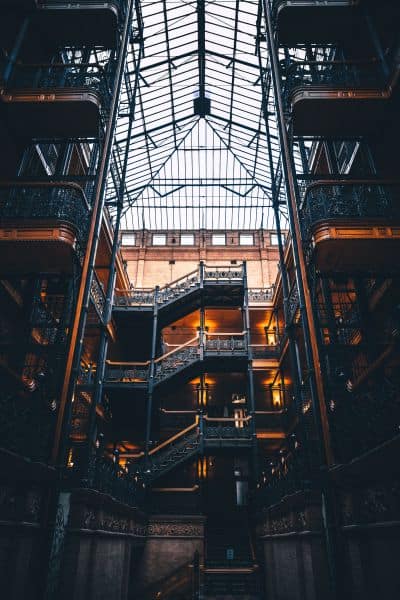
(82, 306)
(150, 388)
(307, 317)
(250, 376)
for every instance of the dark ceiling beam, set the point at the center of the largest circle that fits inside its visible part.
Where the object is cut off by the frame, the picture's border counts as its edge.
(201, 41)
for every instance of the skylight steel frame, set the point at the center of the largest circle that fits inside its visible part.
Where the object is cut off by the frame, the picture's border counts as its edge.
(198, 49)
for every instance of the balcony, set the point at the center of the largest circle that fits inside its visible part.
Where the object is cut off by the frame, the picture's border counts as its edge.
(336, 98)
(352, 225)
(42, 225)
(316, 22)
(216, 285)
(219, 352)
(71, 23)
(56, 100)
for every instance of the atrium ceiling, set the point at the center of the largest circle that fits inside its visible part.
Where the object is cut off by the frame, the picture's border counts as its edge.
(196, 116)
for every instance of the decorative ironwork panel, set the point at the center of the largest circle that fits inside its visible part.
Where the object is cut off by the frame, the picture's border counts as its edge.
(61, 201)
(175, 362)
(231, 344)
(98, 296)
(261, 294)
(224, 273)
(131, 374)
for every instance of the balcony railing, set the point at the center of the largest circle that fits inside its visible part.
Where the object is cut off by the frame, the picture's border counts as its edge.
(179, 288)
(332, 73)
(174, 361)
(261, 295)
(225, 343)
(46, 201)
(44, 76)
(358, 199)
(109, 478)
(126, 373)
(98, 296)
(223, 274)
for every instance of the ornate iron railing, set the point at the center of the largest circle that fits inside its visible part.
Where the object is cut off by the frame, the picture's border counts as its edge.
(180, 287)
(293, 301)
(24, 201)
(175, 361)
(79, 3)
(98, 296)
(135, 297)
(224, 429)
(222, 274)
(261, 295)
(337, 199)
(331, 73)
(107, 477)
(225, 343)
(47, 76)
(130, 373)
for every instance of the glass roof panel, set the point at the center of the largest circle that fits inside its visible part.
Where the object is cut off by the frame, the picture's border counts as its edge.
(190, 165)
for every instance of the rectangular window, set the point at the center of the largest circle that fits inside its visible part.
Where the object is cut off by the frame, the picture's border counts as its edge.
(159, 239)
(246, 239)
(128, 239)
(187, 239)
(218, 239)
(274, 239)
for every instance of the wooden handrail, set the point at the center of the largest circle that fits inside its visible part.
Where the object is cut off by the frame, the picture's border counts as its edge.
(230, 334)
(160, 358)
(175, 437)
(114, 363)
(190, 490)
(177, 412)
(228, 419)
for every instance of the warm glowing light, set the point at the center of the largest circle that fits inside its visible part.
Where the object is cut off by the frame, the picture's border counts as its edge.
(202, 467)
(277, 399)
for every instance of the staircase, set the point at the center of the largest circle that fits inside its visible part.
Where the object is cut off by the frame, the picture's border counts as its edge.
(231, 570)
(220, 584)
(174, 292)
(176, 361)
(170, 453)
(215, 347)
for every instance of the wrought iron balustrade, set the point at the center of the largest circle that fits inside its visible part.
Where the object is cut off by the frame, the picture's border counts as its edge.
(261, 295)
(331, 73)
(227, 428)
(107, 477)
(46, 76)
(293, 302)
(178, 288)
(126, 373)
(223, 274)
(225, 343)
(98, 296)
(178, 359)
(337, 199)
(46, 201)
(82, 4)
(134, 297)
(263, 350)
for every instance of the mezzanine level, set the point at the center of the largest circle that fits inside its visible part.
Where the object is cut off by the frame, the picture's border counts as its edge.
(352, 225)
(335, 98)
(56, 100)
(43, 224)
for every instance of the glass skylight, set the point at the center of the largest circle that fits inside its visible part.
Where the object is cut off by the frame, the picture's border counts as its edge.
(197, 143)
